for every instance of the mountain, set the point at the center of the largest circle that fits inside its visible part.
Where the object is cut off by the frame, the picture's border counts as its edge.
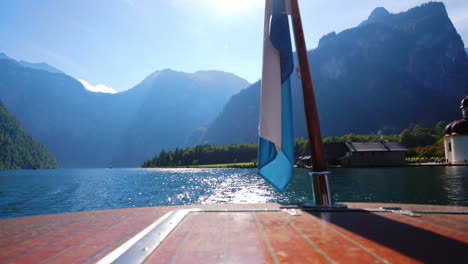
(38, 66)
(466, 50)
(173, 104)
(19, 150)
(390, 71)
(58, 112)
(86, 129)
(238, 121)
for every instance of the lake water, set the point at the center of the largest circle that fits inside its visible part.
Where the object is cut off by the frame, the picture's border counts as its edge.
(32, 192)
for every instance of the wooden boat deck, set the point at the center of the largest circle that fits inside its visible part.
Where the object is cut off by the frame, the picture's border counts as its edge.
(243, 237)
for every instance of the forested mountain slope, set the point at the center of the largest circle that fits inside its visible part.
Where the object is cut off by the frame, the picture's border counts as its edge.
(390, 71)
(18, 149)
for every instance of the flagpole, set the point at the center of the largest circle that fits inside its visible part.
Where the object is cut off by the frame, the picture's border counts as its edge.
(321, 188)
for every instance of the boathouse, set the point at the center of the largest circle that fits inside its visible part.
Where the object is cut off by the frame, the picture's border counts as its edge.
(361, 154)
(333, 153)
(456, 137)
(374, 154)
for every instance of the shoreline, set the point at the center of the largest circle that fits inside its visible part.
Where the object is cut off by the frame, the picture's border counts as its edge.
(228, 166)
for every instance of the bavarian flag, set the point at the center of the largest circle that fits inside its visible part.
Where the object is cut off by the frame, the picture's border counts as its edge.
(276, 145)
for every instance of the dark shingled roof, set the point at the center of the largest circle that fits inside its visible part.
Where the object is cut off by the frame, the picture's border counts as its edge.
(375, 146)
(365, 146)
(395, 146)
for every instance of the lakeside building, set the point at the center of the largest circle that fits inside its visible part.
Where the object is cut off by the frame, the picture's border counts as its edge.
(362, 154)
(374, 154)
(335, 151)
(456, 137)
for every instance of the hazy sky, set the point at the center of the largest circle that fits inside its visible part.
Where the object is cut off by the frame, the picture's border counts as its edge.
(119, 42)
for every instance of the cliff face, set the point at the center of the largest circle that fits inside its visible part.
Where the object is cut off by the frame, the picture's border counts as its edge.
(421, 43)
(390, 71)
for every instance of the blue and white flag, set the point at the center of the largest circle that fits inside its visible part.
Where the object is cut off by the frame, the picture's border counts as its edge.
(276, 145)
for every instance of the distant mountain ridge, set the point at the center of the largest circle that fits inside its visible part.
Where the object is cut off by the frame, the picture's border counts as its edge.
(18, 149)
(38, 66)
(88, 129)
(390, 71)
(199, 98)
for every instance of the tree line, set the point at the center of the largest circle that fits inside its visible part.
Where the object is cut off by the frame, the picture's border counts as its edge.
(204, 154)
(421, 141)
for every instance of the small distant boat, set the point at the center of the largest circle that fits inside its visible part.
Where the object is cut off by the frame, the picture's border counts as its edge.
(110, 167)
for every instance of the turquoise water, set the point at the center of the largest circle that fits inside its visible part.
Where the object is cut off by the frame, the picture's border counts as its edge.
(32, 192)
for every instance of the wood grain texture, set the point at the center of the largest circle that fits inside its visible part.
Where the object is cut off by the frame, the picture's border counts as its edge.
(243, 237)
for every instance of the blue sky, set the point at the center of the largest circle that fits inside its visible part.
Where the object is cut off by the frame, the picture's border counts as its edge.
(118, 43)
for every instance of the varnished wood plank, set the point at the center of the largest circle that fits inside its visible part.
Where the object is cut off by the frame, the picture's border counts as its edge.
(54, 247)
(214, 238)
(244, 242)
(424, 222)
(205, 242)
(385, 253)
(34, 238)
(409, 206)
(455, 224)
(12, 231)
(339, 247)
(168, 250)
(397, 241)
(222, 237)
(28, 228)
(100, 244)
(396, 238)
(289, 245)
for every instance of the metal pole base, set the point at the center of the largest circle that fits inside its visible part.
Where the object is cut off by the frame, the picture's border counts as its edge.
(321, 192)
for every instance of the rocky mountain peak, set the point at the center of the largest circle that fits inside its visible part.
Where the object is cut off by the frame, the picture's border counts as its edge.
(378, 14)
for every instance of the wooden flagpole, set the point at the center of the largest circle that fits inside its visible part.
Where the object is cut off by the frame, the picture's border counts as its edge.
(319, 174)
